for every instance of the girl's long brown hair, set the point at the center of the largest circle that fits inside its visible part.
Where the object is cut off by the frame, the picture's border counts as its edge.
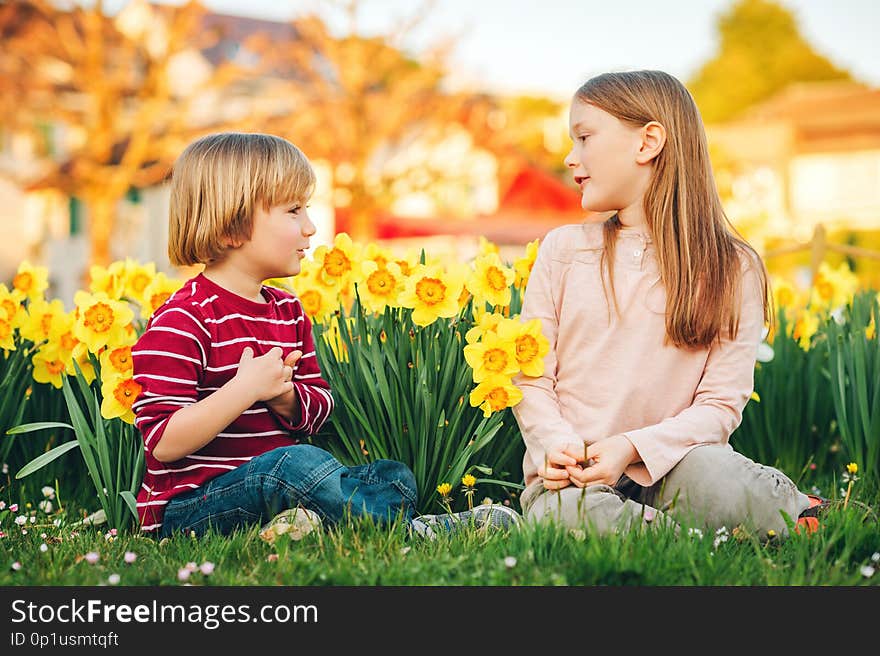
(698, 250)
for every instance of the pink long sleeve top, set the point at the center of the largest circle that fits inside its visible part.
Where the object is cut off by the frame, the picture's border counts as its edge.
(609, 375)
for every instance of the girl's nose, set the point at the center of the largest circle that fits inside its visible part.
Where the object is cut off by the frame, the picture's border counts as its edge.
(569, 159)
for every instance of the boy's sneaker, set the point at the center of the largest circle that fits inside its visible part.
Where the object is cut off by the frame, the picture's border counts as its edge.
(295, 522)
(485, 517)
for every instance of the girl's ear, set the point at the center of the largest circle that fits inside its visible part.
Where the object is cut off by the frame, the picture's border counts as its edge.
(653, 140)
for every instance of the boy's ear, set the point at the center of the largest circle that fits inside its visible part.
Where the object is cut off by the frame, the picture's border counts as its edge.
(653, 140)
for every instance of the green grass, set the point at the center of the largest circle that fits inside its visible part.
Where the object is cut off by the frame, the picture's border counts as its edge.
(365, 555)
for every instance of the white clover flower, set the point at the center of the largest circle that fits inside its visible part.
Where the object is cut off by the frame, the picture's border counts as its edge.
(44, 547)
(130, 557)
(113, 579)
(48, 492)
(16, 566)
(21, 520)
(33, 520)
(867, 571)
(875, 557)
(191, 566)
(510, 562)
(46, 506)
(183, 574)
(92, 557)
(207, 568)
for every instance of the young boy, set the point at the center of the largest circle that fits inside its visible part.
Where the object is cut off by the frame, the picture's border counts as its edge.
(230, 381)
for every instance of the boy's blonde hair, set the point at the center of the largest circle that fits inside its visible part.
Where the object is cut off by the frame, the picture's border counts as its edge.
(700, 253)
(217, 184)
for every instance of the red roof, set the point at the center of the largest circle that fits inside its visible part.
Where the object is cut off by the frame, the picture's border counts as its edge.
(534, 203)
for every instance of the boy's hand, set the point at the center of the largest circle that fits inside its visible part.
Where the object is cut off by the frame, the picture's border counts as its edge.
(554, 473)
(287, 403)
(266, 376)
(609, 458)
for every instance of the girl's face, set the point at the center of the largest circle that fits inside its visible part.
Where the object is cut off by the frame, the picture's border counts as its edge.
(279, 240)
(603, 159)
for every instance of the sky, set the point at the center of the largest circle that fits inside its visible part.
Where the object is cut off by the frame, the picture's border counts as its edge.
(550, 47)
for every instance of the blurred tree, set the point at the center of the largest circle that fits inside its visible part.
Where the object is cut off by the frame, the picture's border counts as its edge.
(112, 99)
(761, 51)
(367, 107)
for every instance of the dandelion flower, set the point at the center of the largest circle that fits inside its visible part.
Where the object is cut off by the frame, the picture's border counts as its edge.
(468, 480)
(444, 489)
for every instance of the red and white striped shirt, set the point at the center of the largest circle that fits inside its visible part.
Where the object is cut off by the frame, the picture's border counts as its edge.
(191, 348)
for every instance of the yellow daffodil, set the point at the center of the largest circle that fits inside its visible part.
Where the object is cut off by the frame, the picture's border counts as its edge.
(806, 325)
(41, 316)
(31, 281)
(494, 394)
(49, 365)
(432, 292)
(486, 247)
(137, 278)
(833, 288)
(523, 266)
(491, 280)
(487, 322)
(338, 264)
(109, 280)
(407, 263)
(11, 302)
(784, 294)
(157, 291)
(119, 393)
(80, 356)
(333, 336)
(381, 286)
(492, 355)
(530, 345)
(870, 329)
(116, 361)
(101, 320)
(375, 253)
(7, 331)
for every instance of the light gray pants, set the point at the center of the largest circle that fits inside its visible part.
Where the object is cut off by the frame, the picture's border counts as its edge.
(712, 486)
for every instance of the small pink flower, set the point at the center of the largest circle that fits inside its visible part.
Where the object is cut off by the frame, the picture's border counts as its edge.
(183, 574)
(2, 534)
(13, 507)
(812, 466)
(649, 515)
(272, 558)
(191, 566)
(130, 557)
(16, 565)
(92, 557)
(207, 568)
(113, 579)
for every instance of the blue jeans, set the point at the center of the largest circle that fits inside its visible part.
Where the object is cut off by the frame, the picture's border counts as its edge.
(286, 477)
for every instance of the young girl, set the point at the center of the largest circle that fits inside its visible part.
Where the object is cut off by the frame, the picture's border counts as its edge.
(654, 318)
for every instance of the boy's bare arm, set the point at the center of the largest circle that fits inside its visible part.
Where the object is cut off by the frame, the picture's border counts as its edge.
(193, 426)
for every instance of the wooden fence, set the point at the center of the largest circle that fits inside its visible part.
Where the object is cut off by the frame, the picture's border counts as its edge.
(819, 247)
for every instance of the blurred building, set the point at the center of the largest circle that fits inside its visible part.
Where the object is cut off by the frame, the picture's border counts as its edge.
(809, 155)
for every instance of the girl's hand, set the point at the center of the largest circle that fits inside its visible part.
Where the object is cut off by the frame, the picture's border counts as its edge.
(263, 377)
(609, 458)
(554, 473)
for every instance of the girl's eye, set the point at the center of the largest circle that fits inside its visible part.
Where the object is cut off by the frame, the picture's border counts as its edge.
(583, 137)
(294, 210)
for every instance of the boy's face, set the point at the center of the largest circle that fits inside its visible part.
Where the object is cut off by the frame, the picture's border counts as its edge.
(279, 240)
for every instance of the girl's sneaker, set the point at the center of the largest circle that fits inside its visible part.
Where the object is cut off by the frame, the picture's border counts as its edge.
(485, 517)
(296, 522)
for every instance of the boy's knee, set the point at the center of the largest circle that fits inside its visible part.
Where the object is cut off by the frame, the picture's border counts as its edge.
(399, 474)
